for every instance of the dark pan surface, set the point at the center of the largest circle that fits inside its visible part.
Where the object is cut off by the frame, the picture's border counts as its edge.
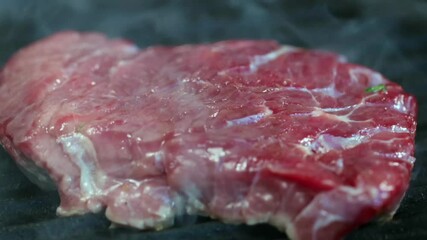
(389, 36)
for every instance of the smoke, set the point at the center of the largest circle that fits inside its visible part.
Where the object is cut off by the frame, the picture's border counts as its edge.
(341, 26)
(367, 32)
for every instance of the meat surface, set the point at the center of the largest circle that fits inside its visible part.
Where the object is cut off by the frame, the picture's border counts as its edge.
(242, 131)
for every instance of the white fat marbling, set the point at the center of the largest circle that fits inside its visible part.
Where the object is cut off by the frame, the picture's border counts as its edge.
(237, 205)
(374, 77)
(260, 60)
(193, 195)
(400, 104)
(330, 90)
(325, 219)
(158, 158)
(324, 143)
(250, 119)
(283, 222)
(81, 151)
(215, 154)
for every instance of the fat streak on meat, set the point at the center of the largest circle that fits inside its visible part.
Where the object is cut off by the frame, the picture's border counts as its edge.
(242, 131)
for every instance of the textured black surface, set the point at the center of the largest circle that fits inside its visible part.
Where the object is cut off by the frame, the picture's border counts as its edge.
(389, 36)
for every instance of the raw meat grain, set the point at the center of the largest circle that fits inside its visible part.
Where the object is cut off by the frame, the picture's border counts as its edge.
(243, 131)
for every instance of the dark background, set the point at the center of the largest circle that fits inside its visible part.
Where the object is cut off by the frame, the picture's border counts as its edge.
(388, 36)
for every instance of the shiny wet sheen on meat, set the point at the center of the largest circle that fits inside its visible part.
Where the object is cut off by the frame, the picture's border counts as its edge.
(242, 131)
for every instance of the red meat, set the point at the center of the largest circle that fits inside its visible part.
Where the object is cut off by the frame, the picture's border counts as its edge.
(243, 131)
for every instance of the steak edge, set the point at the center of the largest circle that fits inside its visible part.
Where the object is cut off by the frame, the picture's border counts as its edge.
(242, 131)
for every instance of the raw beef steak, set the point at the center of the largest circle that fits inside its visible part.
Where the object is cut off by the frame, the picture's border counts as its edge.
(243, 131)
